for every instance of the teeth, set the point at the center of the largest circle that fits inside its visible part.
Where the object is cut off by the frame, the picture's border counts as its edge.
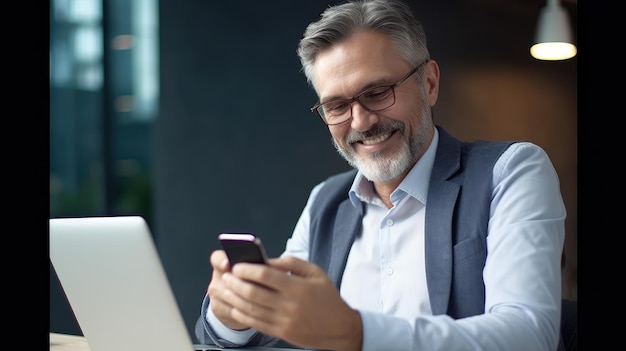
(376, 140)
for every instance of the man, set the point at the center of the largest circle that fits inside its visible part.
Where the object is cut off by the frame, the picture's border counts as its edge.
(429, 244)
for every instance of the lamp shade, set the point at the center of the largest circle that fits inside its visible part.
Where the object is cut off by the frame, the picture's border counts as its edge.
(553, 39)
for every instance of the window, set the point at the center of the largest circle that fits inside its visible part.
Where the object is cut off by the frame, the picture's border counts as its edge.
(104, 91)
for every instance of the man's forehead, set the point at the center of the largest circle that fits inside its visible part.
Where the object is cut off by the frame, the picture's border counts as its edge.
(352, 64)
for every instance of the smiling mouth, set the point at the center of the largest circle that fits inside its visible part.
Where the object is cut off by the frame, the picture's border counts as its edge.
(377, 139)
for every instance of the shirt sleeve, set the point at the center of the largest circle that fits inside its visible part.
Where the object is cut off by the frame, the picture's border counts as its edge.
(298, 244)
(220, 334)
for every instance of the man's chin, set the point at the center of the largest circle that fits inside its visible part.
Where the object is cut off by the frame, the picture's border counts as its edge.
(370, 170)
(369, 165)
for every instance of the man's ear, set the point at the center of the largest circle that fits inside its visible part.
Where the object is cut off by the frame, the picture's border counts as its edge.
(431, 81)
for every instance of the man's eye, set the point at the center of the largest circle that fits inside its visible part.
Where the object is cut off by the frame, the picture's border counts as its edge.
(378, 93)
(335, 107)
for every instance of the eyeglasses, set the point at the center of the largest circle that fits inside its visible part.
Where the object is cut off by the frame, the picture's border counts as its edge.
(374, 99)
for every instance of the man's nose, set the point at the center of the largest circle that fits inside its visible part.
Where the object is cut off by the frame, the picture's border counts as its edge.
(362, 119)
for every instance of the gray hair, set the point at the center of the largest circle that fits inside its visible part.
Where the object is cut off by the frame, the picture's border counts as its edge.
(392, 17)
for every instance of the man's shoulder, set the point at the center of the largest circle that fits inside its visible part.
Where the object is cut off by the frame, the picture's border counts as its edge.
(454, 155)
(340, 178)
(449, 141)
(334, 189)
(338, 183)
(483, 146)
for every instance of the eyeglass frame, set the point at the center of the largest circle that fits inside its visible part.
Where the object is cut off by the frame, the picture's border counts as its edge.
(349, 101)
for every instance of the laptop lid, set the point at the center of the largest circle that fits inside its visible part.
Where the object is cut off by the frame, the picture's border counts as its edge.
(113, 278)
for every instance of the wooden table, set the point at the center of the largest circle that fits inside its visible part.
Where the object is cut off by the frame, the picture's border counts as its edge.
(64, 342)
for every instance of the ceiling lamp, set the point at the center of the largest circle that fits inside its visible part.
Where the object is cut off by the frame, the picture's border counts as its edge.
(553, 39)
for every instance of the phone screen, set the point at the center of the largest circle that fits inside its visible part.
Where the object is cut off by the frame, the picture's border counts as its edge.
(243, 248)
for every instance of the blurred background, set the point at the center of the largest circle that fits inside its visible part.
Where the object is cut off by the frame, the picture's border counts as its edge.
(195, 115)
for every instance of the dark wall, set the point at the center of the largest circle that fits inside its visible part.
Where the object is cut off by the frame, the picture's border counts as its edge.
(237, 148)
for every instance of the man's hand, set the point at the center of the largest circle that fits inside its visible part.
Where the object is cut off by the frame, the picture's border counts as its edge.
(288, 298)
(218, 293)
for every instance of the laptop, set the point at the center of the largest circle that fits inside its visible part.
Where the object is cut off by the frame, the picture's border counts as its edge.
(113, 278)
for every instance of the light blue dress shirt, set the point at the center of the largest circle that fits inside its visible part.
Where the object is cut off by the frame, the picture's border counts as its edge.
(522, 273)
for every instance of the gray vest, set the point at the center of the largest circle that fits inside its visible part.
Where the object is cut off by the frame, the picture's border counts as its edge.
(457, 216)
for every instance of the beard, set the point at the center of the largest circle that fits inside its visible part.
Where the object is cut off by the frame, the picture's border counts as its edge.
(384, 165)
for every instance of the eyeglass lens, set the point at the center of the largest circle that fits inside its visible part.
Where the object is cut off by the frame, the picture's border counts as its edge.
(375, 99)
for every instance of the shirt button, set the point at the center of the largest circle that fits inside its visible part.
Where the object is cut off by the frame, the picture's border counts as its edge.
(390, 222)
(389, 271)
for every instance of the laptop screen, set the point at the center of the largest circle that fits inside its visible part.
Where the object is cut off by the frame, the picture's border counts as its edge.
(113, 278)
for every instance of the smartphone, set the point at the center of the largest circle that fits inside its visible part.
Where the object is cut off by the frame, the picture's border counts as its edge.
(243, 247)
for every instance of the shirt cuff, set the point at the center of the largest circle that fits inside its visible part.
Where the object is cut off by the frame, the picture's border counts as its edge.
(385, 332)
(240, 337)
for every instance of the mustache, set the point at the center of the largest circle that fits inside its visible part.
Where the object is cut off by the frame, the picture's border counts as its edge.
(380, 128)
